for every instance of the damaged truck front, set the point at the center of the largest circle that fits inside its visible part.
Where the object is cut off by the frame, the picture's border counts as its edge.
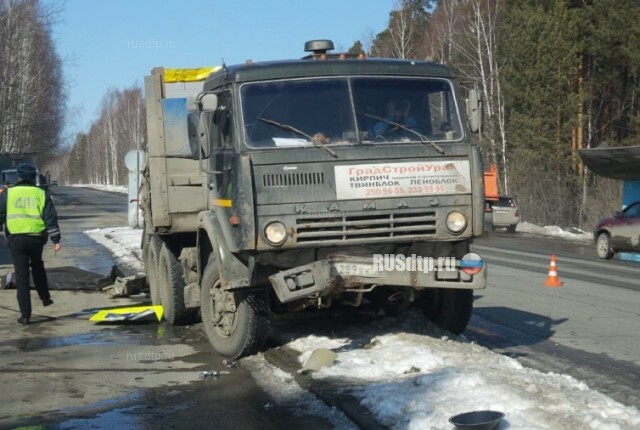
(329, 180)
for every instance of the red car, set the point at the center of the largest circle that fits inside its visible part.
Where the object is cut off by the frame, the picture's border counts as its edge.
(619, 233)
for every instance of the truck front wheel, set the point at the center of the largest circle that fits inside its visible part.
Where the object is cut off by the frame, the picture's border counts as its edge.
(236, 323)
(171, 286)
(448, 308)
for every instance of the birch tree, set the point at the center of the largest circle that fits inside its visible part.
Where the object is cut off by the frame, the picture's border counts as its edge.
(31, 84)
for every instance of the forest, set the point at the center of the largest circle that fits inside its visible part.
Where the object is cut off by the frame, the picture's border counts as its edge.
(555, 75)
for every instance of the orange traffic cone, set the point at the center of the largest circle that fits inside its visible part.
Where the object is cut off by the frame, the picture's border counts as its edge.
(553, 280)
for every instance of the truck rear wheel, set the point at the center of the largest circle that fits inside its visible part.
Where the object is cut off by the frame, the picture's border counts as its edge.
(448, 308)
(171, 285)
(151, 254)
(236, 323)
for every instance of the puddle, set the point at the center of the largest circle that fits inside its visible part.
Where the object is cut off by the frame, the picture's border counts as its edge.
(91, 416)
(124, 418)
(152, 334)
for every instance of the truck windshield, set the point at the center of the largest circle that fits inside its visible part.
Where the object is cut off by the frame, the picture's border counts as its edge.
(349, 110)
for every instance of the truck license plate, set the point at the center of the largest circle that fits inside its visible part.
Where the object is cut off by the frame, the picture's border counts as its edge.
(353, 269)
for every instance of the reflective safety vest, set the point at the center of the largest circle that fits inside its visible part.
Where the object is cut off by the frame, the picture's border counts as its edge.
(24, 210)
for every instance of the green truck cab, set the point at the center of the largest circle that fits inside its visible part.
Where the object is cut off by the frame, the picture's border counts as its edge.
(280, 186)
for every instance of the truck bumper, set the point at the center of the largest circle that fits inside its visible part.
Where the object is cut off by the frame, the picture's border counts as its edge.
(341, 272)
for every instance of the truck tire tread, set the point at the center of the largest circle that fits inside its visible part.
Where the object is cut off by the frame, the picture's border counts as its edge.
(253, 323)
(171, 283)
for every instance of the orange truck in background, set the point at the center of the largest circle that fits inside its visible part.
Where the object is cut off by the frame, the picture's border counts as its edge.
(491, 191)
(491, 194)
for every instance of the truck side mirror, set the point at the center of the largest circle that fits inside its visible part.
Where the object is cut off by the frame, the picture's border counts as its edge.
(208, 103)
(474, 110)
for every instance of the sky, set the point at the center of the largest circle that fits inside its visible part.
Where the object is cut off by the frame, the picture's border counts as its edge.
(115, 43)
(413, 378)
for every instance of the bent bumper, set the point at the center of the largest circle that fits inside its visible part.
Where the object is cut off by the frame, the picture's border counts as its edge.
(321, 277)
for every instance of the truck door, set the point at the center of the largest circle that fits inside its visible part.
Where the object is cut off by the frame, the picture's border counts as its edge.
(222, 149)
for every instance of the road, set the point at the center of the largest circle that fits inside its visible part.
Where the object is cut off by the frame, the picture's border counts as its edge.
(68, 373)
(588, 328)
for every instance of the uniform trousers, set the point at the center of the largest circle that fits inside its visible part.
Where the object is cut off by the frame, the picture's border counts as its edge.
(26, 251)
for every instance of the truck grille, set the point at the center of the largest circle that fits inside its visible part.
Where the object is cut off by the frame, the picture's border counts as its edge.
(365, 228)
(292, 179)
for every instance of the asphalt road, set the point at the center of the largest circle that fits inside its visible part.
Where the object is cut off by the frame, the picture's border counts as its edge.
(588, 328)
(66, 372)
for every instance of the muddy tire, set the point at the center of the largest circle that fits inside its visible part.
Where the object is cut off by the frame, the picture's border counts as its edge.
(151, 253)
(603, 246)
(171, 286)
(448, 308)
(236, 323)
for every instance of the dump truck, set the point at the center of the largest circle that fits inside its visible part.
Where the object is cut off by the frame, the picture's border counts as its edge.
(286, 186)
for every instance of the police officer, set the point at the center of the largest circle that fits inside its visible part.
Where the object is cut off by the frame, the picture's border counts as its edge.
(29, 218)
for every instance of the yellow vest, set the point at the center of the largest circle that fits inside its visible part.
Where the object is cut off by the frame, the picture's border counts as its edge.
(25, 205)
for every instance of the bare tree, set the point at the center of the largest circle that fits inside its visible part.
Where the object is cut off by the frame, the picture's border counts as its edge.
(98, 156)
(31, 95)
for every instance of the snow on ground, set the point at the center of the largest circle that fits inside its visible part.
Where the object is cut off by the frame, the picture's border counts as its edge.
(113, 188)
(417, 379)
(555, 231)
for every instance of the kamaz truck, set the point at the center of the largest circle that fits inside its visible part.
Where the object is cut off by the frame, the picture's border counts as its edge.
(284, 186)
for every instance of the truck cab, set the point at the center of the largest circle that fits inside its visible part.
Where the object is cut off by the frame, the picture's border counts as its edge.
(321, 181)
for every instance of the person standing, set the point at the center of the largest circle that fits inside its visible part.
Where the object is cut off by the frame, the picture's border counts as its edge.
(30, 218)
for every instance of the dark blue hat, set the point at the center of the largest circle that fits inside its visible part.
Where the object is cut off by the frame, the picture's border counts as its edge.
(27, 171)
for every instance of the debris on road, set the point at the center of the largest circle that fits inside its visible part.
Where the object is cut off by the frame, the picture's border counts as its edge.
(320, 358)
(230, 364)
(129, 314)
(213, 374)
(126, 286)
(70, 278)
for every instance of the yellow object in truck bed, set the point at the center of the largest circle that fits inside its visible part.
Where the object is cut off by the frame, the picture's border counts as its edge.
(188, 75)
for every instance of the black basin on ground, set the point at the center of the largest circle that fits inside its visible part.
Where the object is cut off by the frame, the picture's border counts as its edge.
(477, 420)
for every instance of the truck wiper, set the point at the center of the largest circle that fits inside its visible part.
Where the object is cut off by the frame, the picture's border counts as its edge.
(423, 139)
(318, 140)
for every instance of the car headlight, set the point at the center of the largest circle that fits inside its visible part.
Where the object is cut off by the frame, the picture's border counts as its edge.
(275, 232)
(456, 222)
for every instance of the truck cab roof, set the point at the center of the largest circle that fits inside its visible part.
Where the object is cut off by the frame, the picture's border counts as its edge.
(268, 70)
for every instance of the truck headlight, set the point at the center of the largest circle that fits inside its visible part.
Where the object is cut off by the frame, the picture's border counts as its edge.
(275, 232)
(456, 222)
